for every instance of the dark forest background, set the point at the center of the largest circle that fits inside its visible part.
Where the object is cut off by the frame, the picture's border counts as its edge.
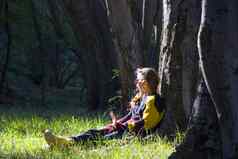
(86, 51)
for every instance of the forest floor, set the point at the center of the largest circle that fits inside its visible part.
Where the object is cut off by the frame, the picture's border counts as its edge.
(21, 135)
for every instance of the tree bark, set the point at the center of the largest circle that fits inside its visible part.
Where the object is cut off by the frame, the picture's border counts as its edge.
(148, 22)
(144, 22)
(191, 12)
(217, 38)
(202, 138)
(170, 62)
(216, 35)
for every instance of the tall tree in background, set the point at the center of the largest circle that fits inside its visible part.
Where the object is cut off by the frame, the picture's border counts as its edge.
(91, 27)
(5, 44)
(42, 52)
(63, 70)
(126, 42)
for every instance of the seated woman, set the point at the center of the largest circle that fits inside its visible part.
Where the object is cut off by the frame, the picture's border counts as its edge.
(144, 115)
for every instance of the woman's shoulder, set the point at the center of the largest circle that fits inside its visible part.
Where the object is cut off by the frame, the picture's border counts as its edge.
(156, 99)
(151, 98)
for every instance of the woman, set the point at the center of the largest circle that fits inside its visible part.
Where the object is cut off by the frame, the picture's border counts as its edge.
(144, 115)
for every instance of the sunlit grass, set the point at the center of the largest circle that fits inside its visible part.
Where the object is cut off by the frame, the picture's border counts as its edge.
(21, 137)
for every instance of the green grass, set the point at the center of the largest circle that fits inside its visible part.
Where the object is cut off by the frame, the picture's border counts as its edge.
(21, 137)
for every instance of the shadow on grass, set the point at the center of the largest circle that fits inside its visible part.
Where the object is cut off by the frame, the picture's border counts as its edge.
(50, 112)
(58, 102)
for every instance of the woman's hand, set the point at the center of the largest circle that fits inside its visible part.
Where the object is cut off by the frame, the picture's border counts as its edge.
(114, 119)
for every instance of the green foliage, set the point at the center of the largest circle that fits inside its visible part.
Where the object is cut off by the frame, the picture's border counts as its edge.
(21, 137)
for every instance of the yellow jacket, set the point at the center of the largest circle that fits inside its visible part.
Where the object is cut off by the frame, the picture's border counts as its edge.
(149, 114)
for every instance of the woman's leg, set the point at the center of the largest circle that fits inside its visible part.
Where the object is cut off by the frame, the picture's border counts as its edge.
(117, 133)
(108, 132)
(90, 135)
(55, 140)
(93, 134)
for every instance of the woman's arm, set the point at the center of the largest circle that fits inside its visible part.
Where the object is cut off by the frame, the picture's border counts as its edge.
(125, 118)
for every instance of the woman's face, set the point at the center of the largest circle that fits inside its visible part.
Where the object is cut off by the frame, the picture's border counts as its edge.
(141, 84)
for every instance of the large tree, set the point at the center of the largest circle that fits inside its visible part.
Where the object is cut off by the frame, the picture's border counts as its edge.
(217, 38)
(208, 29)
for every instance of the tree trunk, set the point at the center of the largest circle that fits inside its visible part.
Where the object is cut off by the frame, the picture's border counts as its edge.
(148, 27)
(6, 30)
(42, 53)
(89, 19)
(170, 62)
(144, 22)
(57, 25)
(190, 67)
(217, 45)
(127, 44)
(121, 22)
(202, 138)
(216, 34)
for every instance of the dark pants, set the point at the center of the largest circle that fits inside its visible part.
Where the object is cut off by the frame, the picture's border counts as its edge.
(108, 132)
